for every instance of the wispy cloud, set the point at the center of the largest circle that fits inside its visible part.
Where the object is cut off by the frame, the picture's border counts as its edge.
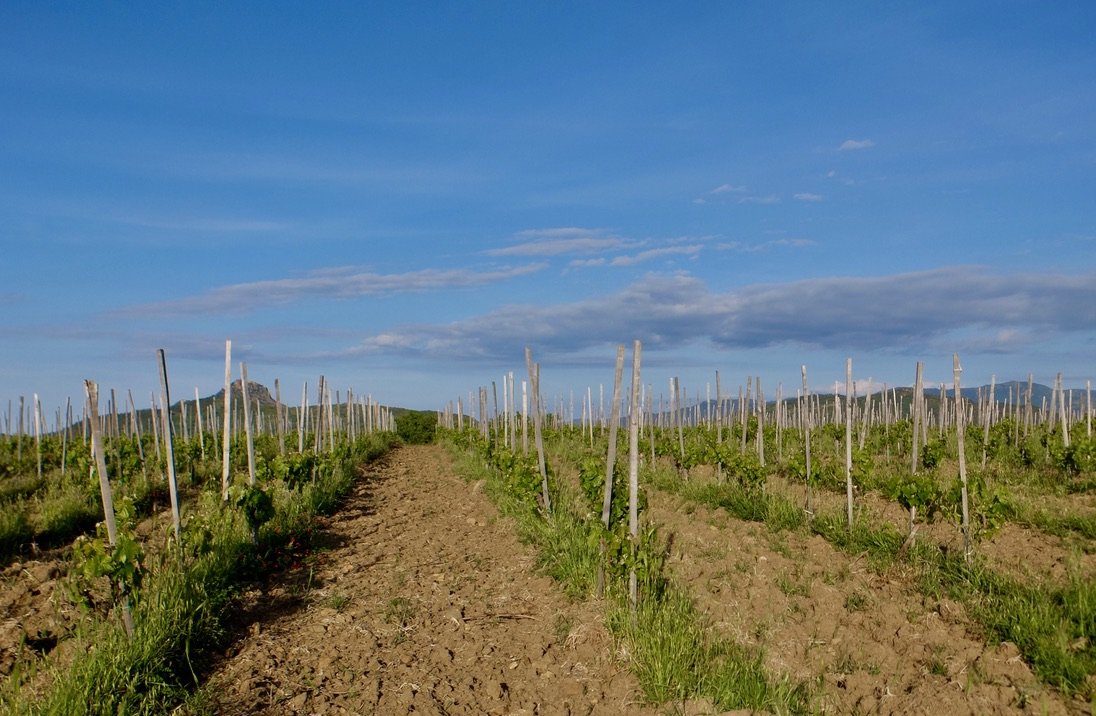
(766, 199)
(720, 190)
(329, 283)
(852, 144)
(737, 194)
(808, 196)
(728, 189)
(561, 241)
(748, 248)
(588, 263)
(894, 312)
(651, 254)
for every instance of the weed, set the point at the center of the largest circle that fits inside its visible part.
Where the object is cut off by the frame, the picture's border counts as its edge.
(562, 627)
(856, 601)
(338, 601)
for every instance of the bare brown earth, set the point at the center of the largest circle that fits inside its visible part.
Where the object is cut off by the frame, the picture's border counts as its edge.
(1024, 553)
(866, 642)
(33, 621)
(426, 603)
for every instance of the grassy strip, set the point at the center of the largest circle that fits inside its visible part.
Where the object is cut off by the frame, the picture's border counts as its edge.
(674, 655)
(1060, 525)
(1053, 626)
(179, 610)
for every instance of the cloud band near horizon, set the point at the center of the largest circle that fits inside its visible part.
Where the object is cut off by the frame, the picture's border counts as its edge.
(896, 312)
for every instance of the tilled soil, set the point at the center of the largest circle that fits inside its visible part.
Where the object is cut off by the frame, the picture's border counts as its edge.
(867, 642)
(427, 603)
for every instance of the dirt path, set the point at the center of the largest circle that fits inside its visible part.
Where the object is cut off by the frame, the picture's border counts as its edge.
(427, 603)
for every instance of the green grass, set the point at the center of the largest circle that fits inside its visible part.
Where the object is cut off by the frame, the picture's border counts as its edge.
(1054, 626)
(672, 650)
(14, 529)
(179, 609)
(63, 510)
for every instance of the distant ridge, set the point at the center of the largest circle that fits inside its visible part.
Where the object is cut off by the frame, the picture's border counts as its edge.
(255, 391)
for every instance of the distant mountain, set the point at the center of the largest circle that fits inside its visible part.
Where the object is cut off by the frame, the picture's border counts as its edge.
(904, 394)
(255, 391)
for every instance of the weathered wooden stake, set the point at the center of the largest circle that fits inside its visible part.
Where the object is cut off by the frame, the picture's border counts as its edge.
(226, 441)
(848, 438)
(633, 472)
(169, 449)
(534, 382)
(92, 390)
(247, 425)
(805, 415)
(968, 550)
(610, 465)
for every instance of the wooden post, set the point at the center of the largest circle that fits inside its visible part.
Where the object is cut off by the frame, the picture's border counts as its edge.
(534, 381)
(198, 419)
(65, 437)
(848, 438)
(495, 409)
(781, 411)
(917, 417)
(988, 418)
(247, 425)
(513, 413)
(1088, 399)
(92, 390)
(610, 465)
(718, 411)
(524, 418)
(38, 433)
(226, 441)
(153, 413)
(968, 551)
(760, 409)
(302, 418)
(19, 437)
(169, 449)
(137, 432)
(1062, 410)
(633, 472)
(318, 426)
(805, 415)
(679, 417)
(279, 416)
(743, 419)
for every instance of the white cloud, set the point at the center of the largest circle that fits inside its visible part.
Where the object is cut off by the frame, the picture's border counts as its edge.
(327, 283)
(650, 254)
(563, 240)
(767, 199)
(725, 192)
(847, 313)
(746, 248)
(556, 247)
(850, 144)
(808, 196)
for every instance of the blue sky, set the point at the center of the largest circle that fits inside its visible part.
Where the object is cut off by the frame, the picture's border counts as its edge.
(401, 196)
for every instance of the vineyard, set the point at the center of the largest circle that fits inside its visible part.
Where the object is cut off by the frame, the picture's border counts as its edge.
(904, 550)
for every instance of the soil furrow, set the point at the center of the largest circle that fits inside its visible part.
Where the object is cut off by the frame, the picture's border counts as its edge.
(427, 603)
